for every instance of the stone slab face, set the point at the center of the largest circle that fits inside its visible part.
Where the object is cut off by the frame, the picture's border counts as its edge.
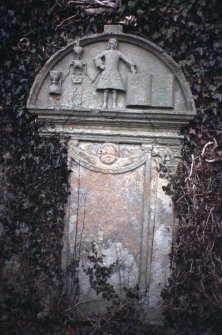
(143, 86)
(123, 209)
(120, 101)
(162, 92)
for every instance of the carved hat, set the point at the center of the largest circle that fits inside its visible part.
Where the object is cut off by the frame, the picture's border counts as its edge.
(112, 40)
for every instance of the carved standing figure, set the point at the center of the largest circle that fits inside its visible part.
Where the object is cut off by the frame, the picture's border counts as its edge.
(78, 65)
(110, 80)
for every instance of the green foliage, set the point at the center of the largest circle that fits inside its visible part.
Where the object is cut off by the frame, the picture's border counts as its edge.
(124, 315)
(99, 275)
(194, 293)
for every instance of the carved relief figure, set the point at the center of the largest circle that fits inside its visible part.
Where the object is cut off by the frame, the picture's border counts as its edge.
(56, 83)
(110, 80)
(78, 65)
(109, 153)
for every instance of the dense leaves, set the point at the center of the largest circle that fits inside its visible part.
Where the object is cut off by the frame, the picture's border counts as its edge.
(194, 294)
(35, 177)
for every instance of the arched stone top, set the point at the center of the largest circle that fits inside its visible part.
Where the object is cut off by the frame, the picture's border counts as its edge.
(114, 77)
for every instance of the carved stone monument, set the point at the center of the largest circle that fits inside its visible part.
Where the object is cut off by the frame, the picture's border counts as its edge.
(121, 101)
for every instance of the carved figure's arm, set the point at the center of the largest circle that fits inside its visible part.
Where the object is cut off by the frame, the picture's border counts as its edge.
(128, 62)
(85, 68)
(99, 62)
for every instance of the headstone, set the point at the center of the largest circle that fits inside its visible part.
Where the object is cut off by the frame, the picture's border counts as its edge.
(120, 100)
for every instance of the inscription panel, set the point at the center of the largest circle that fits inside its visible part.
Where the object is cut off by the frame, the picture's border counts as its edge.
(108, 205)
(117, 203)
(110, 213)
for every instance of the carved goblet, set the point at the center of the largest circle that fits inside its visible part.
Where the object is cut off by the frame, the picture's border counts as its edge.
(56, 82)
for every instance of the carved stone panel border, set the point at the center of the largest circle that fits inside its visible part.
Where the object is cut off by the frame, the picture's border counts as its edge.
(148, 156)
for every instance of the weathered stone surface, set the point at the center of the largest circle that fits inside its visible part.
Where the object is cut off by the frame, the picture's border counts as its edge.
(117, 202)
(112, 29)
(121, 102)
(162, 94)
(139, 90)
(126, 55)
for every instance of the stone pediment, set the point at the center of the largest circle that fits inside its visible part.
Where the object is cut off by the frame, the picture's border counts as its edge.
(150, 88)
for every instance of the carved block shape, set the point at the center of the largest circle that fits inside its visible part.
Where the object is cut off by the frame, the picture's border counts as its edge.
(162, 93)
(77, 79)
(56, 83)
(113, 28)
(138, 90)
